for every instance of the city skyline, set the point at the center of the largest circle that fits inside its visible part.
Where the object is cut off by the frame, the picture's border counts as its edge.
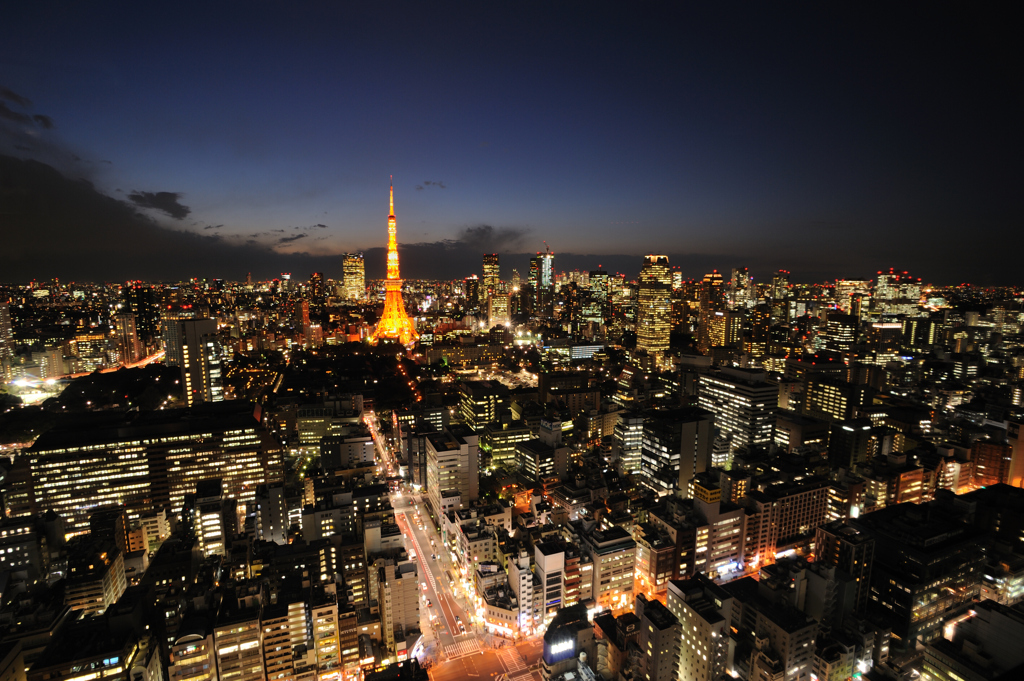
(715, 139)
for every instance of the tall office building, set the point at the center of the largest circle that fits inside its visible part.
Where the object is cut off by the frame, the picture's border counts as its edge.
(743, 404)
(739, 287)
(317, 295)
(675, 446)
(542, 281)
(354, 279)
(654, 306)
(851, 549)
(6, 342)
(151, 461)
(595, 305)
(141, 302)
(896, 293)
(840, 331)
(712, 300)
(196, 349)
(760, 327)
(472, 291)
(849, 289)
(453, 469)
(127, 338)
(724, 329)
(627, 441)
(498, 306)
(780, 285)
(172, 332)
(492, 275)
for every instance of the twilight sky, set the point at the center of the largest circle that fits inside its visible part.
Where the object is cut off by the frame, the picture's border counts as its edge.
(259, 136)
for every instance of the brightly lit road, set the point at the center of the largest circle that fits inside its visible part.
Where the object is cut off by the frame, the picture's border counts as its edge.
(450, 622)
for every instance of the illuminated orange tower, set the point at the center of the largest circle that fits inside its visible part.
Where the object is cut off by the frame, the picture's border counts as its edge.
(394, 323)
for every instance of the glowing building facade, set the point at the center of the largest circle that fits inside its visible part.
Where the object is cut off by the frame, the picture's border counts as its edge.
(394, 323)
(654, 305)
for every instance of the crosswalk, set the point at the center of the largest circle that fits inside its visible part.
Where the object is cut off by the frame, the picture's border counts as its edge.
(512, 660)
(460, 648)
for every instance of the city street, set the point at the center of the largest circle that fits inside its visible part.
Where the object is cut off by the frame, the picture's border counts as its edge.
(456, 655)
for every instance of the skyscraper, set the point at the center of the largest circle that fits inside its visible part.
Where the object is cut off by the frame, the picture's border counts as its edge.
(654, 305)
(780, 285)
(541, 281)
(140, 301)
(394, 323)
(712, 300)
(316, 289)
(127, 338)
(492, 275)
(354, 277)
(194, 345)
(739, 287)
(6, 342)
(897, 293)
(595, 306)
(498, 305)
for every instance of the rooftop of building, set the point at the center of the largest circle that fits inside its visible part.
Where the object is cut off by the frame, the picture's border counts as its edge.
(105, 427)
(91, 637)
(658, 615)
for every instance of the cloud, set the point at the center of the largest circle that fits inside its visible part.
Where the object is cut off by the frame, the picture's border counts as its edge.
(166, 202)
(290, 239)
(10, 96)
(427, 184)
(213, 226)
(44, 121)
(320, 226)
(13, 116)
(493, 239)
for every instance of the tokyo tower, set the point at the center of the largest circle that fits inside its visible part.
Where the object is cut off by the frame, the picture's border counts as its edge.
(394, 323)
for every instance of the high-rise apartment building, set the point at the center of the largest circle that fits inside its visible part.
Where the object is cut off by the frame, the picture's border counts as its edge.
(654, 305)
(354, 277)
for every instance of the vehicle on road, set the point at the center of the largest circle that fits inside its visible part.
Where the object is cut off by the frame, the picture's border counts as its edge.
(424, 586)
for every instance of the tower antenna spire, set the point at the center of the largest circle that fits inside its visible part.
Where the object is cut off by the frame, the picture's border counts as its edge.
(392, 195)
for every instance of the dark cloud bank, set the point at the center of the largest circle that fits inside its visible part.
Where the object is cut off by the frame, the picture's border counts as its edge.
(55, 226)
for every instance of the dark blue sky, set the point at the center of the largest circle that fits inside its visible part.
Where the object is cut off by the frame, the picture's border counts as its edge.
(828, 141)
